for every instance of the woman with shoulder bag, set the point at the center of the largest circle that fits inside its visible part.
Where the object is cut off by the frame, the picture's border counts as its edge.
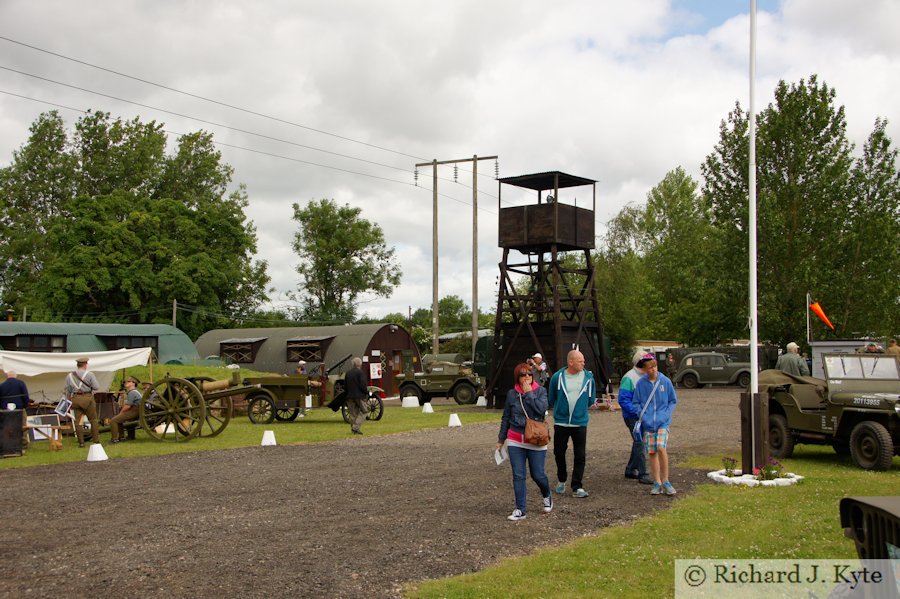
(526, 400)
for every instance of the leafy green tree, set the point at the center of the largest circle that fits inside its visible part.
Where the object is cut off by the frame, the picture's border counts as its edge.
(341, 257)
(120, 239)
(813, 208)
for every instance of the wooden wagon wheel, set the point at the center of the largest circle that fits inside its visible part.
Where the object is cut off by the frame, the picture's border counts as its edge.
(172, 409)
(218, 415)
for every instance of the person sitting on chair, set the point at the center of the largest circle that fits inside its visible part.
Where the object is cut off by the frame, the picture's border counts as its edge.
(130, 411)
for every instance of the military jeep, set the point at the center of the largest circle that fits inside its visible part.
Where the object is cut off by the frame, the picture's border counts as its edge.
(441, 379)
(855, 409)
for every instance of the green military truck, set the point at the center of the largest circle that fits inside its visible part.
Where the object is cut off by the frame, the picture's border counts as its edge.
(441, 378)
(855, 409)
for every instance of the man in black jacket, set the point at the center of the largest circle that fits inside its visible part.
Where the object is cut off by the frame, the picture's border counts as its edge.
(357, 395)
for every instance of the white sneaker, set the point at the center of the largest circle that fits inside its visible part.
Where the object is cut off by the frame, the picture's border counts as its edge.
(516, 516)
(548, 504)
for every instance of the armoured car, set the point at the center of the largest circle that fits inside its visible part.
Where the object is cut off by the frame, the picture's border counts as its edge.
(855, 409)
(441, 379)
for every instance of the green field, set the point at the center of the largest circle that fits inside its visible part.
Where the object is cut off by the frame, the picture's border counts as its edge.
(715, 522)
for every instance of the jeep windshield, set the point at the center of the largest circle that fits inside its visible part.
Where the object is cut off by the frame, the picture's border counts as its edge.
(851, 366)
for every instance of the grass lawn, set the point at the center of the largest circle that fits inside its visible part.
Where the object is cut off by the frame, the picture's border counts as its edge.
(717, 521)
(320, 424)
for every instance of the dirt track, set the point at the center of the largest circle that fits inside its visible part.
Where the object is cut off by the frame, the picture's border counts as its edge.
(354, 518)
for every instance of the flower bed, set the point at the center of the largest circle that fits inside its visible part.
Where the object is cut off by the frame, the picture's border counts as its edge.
(750, 480)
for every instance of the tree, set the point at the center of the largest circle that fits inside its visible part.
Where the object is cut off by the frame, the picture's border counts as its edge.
(124, 229)
(814, 208)
(342, 256)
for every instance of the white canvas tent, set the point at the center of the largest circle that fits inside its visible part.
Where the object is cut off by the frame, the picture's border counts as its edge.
(45, 373)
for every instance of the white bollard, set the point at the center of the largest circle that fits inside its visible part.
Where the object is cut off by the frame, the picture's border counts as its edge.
(410, 402)
(96, 453)
(269, 438)
(454, 420)
(482, 401)
(427, 409)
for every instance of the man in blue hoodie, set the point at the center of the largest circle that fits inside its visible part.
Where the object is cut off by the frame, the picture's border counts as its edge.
(656, 391)
(571, 393)
(637, 466)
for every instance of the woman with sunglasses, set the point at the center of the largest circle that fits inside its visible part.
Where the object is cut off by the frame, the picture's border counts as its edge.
(526, 395)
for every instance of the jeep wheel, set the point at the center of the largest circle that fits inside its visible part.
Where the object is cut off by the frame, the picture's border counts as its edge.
(781, 443)
(464, 394)
(412, 391)
(689, 381)
(744, 380)
(871, 446)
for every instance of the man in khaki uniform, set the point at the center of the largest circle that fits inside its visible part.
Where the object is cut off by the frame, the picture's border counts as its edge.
(130, 411)
(80, 387)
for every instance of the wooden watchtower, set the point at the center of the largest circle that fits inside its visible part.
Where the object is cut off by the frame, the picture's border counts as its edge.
(551, 305)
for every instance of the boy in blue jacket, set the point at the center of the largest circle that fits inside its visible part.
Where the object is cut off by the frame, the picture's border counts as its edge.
(656, 391)
(571, 393)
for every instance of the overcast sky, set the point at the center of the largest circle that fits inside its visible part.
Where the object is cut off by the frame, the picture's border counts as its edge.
(355, 93)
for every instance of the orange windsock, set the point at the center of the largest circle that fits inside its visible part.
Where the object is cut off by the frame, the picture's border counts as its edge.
(815, 307)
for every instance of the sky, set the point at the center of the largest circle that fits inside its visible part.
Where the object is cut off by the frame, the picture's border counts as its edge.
(341, 99)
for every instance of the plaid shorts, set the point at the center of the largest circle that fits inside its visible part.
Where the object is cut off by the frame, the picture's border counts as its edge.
(657, 440)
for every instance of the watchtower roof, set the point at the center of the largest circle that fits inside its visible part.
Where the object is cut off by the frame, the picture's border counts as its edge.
(546, 181)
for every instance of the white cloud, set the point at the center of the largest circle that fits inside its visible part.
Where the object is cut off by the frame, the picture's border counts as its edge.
(601, 89)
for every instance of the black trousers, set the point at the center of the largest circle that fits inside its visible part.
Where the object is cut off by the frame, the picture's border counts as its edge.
(561, 436)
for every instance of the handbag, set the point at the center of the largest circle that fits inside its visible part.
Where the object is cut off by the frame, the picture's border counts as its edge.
(637, 432)
(537, 432)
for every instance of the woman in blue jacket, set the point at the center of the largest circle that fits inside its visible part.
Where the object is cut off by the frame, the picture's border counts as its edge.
(532, 398)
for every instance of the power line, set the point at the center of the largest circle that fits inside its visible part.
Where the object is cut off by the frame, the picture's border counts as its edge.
(205, 99)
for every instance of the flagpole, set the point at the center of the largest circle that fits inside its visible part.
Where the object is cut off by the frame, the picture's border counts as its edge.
(751, 228)
(808, 323)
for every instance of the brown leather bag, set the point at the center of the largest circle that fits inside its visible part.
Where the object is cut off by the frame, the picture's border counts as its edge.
(537, 432)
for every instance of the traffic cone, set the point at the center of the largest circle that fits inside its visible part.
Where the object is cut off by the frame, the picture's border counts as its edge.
(454, 420)
(269, 438)
(96, 453)
(427, 409)
(410, 402)
(482, 401)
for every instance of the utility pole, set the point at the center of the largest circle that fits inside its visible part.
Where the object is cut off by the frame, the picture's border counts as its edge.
(434, 248)
(174, 311)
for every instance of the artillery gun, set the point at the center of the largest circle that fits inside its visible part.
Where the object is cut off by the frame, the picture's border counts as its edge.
(179, 409)
(282, 397)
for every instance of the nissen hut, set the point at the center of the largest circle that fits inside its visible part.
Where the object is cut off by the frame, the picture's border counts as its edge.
(382, 347)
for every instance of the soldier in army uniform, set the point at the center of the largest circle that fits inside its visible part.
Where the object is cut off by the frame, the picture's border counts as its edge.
(80, 387)
(130, 411)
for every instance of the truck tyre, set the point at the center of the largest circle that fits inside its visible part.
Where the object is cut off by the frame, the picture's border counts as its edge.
(464, 394)
(744, 380)
(412, 391)
(871, 446)
(781, 443)
(690, 381)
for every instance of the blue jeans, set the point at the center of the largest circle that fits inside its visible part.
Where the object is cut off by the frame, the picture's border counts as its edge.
(535, 458)
(637, 466)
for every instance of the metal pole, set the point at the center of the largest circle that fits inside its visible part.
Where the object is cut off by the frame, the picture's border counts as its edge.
(754, 331)
(474, 254)
(434, 260)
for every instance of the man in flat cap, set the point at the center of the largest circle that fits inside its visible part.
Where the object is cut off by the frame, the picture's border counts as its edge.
(130, 411)
(81, 384)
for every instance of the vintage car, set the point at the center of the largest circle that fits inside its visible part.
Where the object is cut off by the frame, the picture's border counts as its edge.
(711, 368)
(855, 409)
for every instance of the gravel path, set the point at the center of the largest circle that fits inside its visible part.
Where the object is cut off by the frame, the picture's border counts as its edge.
(353, 518)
